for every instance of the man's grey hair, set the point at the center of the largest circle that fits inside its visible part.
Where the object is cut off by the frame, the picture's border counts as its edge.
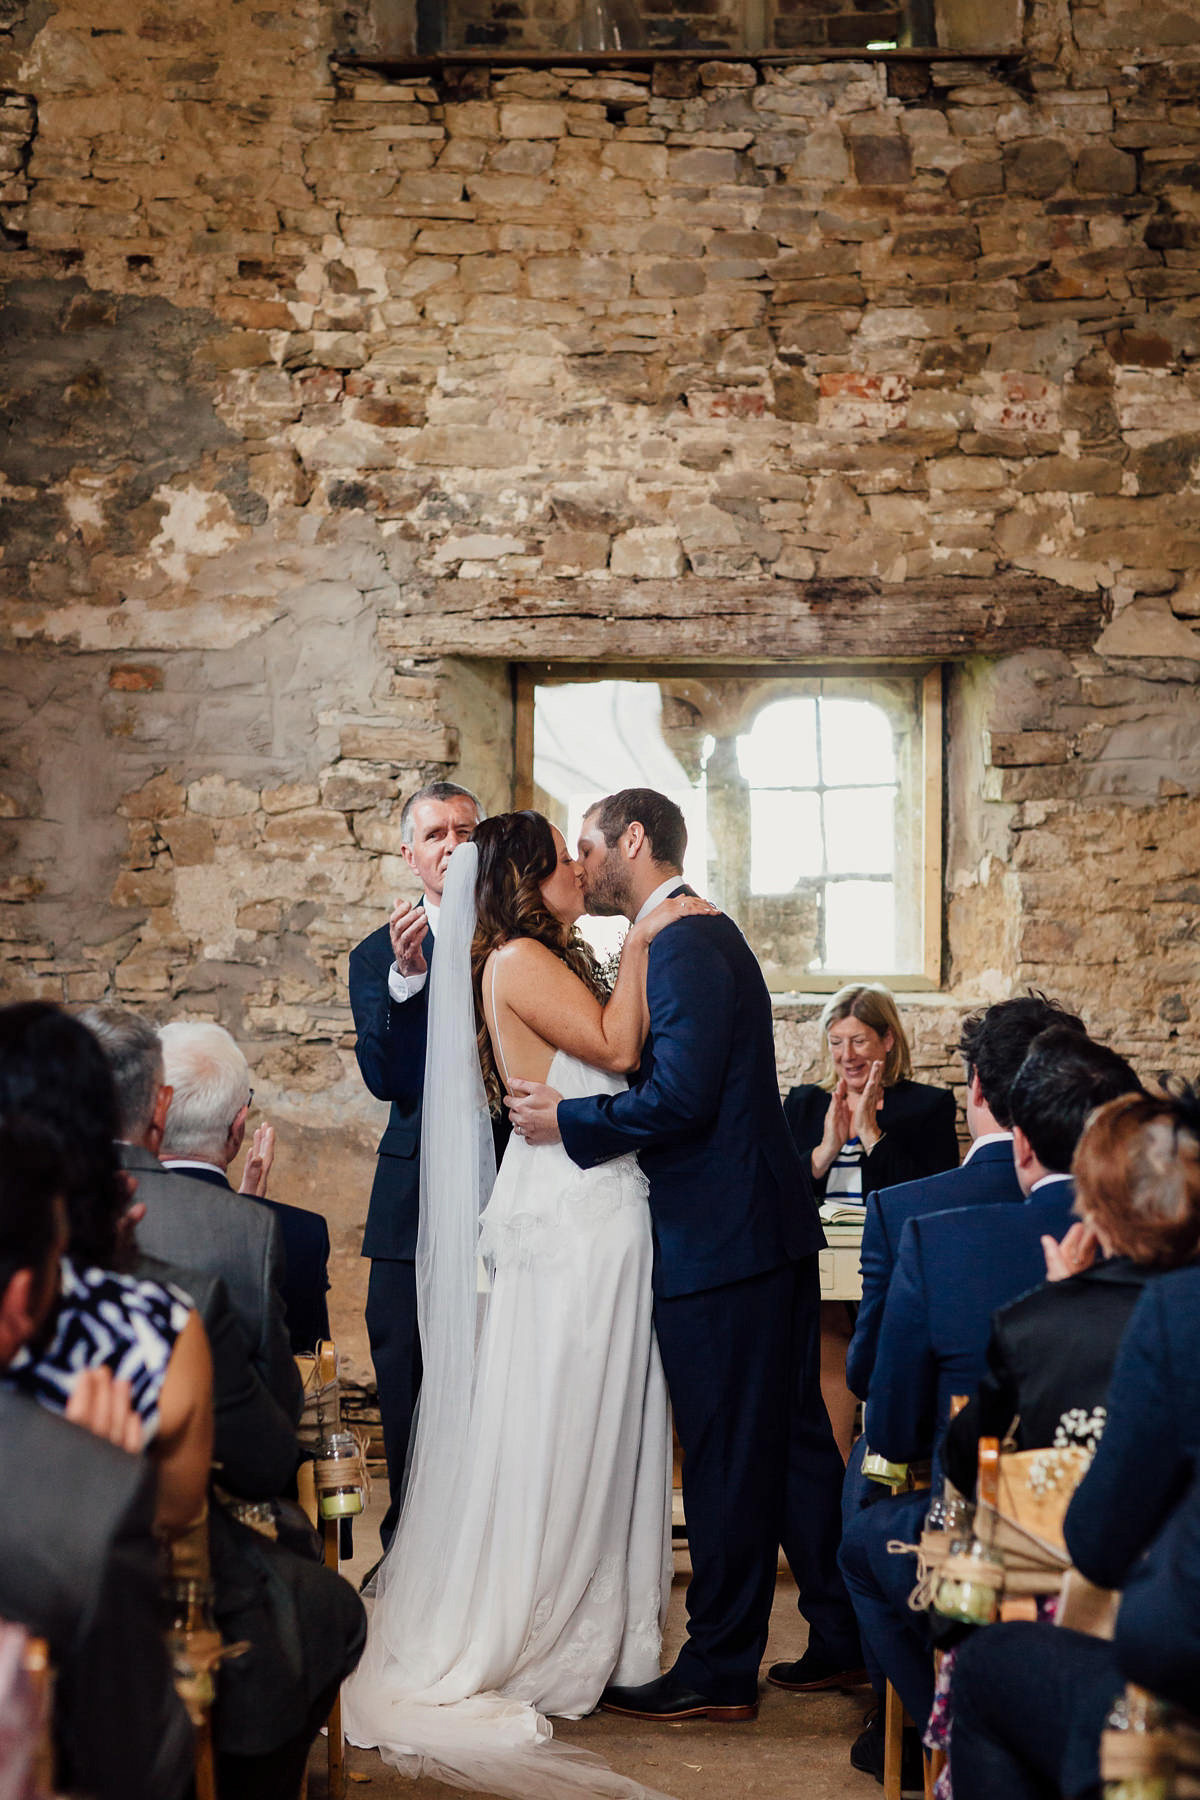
(211, 1079)
(133, 1052)
(436, 790)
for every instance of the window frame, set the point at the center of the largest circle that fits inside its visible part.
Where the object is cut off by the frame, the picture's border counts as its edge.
(930, 864)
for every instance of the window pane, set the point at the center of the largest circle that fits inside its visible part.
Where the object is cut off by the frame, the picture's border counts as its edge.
(859, 831)
(780, 749)
(856, 743)
(860, 926)
(785, 840)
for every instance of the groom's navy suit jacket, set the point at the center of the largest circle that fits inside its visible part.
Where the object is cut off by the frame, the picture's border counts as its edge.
(736, 1233)
(729, 1196)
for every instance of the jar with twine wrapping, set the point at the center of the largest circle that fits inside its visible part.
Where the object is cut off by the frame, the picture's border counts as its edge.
(340, 1476)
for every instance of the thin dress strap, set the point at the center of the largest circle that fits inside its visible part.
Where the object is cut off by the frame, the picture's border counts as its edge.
(496, 1039)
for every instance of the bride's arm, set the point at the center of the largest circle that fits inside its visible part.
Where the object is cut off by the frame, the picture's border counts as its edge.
(547, 997)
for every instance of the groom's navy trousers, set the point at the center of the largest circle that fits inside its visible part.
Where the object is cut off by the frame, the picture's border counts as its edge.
(736, 1302)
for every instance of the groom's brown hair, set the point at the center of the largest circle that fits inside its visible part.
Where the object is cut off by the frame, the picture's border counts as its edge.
(659, 818)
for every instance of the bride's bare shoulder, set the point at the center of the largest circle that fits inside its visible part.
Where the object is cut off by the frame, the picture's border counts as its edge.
(524, 953)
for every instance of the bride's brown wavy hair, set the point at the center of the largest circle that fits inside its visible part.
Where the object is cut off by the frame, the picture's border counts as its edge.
(517, 853)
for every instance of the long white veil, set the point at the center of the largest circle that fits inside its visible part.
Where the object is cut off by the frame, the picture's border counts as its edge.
(398, 1699)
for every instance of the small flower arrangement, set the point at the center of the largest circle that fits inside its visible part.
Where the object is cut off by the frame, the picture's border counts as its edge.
(607, 968)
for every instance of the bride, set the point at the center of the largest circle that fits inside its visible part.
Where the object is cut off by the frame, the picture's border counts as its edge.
(531, 1563)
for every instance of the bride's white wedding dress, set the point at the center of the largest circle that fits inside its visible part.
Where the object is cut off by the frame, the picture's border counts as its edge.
(553, 1557)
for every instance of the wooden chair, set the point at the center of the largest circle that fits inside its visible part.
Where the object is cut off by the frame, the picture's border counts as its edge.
(894, 1720)
(196, 1648)
(323, 1412)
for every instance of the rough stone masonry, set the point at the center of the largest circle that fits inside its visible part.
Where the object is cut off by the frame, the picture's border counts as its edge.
(330, 397)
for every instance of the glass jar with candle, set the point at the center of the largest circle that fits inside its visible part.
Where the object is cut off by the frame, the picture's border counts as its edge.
(968, 1590)
(339, 1489)
(194, 1643)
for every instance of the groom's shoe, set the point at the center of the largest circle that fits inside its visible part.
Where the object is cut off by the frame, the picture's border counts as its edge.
(814, 1672)
(669, 1697)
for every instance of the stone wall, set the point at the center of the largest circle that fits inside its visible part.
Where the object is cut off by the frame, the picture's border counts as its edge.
(327, 401)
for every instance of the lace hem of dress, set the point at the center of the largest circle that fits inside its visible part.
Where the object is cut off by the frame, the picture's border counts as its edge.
(523, 1236)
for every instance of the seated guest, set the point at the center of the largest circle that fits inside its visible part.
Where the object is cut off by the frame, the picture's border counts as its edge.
(866, 1126)
(993, 1045)
(1051, 1353)
(205, 1127)
(1030, 1699)
(146, 1332)
(952, 1272)
(191, 1223)
(304, 1624)
(80, 1562)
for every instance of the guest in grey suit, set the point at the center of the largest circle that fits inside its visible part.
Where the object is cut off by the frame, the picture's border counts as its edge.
(191, 1223)
(80, 1572)
(205, 1128)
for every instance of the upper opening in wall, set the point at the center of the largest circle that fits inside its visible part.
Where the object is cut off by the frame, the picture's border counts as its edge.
(542, 28)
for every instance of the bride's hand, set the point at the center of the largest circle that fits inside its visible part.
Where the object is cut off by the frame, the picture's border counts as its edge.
(667, 912)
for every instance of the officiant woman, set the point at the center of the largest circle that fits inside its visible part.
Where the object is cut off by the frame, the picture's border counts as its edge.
(866, 1125)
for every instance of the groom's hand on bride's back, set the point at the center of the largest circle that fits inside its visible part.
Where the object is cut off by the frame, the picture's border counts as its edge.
(533, 1109)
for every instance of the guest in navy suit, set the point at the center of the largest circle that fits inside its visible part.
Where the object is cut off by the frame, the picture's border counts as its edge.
(736, 1239)
(205, 1128)
(1030, 1699)
(389, 998)
(993, 1045)
(953, 1270)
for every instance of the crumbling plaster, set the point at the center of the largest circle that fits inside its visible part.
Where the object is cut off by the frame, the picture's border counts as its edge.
(287, 357)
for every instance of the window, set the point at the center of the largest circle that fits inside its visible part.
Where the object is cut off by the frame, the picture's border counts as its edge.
(813, 801)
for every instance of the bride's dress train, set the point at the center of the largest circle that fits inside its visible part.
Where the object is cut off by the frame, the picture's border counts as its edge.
(544, 1574)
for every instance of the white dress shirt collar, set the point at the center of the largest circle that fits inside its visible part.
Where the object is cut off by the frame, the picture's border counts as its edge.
(987, 1137)
(660, 893)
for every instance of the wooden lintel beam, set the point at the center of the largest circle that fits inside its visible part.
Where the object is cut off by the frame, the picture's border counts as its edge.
(724, 620)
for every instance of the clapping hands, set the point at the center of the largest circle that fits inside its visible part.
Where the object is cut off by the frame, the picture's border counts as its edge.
(256, 1170)
(1076, 1252)
(847, 1116)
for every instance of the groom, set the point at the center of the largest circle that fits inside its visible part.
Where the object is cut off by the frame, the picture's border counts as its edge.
(736, 1288)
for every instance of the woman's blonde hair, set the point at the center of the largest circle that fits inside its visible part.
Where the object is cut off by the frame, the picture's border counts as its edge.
(871, 1004)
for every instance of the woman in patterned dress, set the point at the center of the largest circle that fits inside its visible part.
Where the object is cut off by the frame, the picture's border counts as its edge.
(146, 1332)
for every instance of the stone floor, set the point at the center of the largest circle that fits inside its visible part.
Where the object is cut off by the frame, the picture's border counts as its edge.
(797, 1750)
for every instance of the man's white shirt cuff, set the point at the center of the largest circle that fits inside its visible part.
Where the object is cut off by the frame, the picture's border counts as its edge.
(405, 987)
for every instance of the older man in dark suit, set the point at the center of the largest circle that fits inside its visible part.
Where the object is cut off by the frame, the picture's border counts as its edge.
(953, 1270)
(389, 999)
(736, 1288)
(194, 1224)
(80, 1562)
(205, 1128)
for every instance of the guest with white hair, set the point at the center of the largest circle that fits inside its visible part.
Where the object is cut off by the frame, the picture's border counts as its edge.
(205, 1129)
(207, 1241)
(187, 1223)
